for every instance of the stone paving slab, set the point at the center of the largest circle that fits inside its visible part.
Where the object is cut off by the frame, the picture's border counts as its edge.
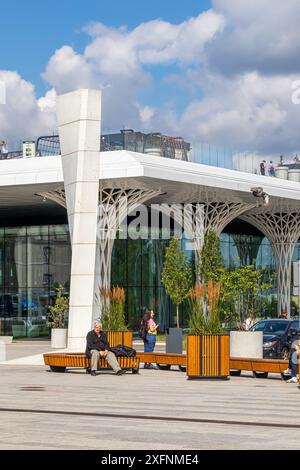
(150, 396)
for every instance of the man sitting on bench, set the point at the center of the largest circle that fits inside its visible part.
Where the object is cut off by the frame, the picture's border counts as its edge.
(97, 345)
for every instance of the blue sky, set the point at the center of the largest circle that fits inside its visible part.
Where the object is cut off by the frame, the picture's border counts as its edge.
(31, 31)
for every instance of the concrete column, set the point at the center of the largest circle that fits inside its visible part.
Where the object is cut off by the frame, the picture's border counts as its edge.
(78, 115)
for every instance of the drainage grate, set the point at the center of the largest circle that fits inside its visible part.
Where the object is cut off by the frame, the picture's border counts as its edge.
(32, 389)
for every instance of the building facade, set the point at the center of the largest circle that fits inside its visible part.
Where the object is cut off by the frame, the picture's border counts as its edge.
(50, 225)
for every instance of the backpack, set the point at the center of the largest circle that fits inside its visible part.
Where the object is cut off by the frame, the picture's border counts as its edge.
(123, 351)
(142, 331)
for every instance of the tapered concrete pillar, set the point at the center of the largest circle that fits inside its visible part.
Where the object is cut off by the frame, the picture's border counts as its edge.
(78, 115)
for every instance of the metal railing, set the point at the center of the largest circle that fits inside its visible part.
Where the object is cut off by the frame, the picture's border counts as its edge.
(174, 148)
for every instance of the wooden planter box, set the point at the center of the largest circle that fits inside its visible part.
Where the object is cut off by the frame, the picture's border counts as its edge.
(119, 337)
(207, 356)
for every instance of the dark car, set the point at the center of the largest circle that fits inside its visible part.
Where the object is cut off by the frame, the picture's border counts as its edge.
(278, 335)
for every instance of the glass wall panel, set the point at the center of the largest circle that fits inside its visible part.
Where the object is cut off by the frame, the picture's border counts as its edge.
(31, 264)
(119, 263)
(2, 258)
(133, 307)
(148, 263)
(38, 255)
(37, 307)
(134, 266)
(14, 311)
(59, 257)
(15, 261)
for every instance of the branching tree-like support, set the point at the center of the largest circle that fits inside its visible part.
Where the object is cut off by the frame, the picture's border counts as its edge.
(114, 206)
(57, 196)
(217, 215)
(282, 228)
(201, 218)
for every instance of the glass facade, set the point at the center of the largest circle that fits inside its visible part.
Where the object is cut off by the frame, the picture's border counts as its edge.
(33, 261)
(137, 266)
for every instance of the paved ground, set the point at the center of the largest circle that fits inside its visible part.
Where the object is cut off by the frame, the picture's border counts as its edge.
(23, 348)
(152, 410)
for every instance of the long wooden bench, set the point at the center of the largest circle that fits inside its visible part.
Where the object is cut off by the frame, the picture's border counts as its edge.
(260, 367)
(164, 361)
(58, 362)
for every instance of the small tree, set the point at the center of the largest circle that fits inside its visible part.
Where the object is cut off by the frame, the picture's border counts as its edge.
(59, 310)
(176, 275)
(211, 264)
(242, 287)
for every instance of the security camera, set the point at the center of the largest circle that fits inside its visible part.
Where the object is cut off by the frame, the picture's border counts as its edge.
(257, 192)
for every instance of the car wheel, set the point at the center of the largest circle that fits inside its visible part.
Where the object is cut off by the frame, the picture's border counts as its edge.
(235, 373)
(260, 375)
(285, 354)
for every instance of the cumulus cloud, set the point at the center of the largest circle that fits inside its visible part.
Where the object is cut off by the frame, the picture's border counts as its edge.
(21, 117)
(249, 111)
(154, 42)
(115, 61)
(260, 35)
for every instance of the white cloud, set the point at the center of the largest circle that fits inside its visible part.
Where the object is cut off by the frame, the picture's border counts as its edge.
(21, 117)
(67, 70)
(154, 42)
(146, 115)
(115, 60)
(47, 103)
(250, 111)
(260, 35)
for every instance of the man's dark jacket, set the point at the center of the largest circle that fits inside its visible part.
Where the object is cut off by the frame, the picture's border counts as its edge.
(93, 341)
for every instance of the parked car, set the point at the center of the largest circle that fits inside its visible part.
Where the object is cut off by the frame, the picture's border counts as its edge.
(278, 335)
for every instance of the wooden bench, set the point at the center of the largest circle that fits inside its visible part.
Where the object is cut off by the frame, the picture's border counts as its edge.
(58, 362)
(164, 361)
(260, 367)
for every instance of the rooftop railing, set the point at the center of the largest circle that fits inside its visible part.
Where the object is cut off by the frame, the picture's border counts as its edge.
(177, 148)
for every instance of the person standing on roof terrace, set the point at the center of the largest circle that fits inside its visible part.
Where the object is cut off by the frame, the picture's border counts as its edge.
(4, 150)
(271, 169)
(262, 167)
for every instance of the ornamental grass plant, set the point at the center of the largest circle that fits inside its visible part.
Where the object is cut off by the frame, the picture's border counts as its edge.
(113, 309)
(205, 303)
